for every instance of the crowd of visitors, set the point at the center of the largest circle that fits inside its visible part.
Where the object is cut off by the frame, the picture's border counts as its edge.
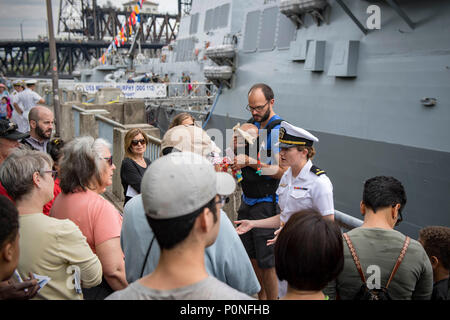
(61, 239)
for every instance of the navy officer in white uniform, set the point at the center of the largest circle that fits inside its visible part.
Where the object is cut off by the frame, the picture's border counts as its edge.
(303, 187)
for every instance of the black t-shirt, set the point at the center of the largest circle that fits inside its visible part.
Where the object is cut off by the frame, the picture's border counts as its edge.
(131, 174)
(441, 290)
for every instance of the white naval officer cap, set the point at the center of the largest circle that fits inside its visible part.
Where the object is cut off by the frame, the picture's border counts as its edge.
(30, 82)
(291, 136)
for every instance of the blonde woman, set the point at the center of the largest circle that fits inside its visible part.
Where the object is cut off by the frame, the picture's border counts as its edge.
(182, 118)
(134, 164)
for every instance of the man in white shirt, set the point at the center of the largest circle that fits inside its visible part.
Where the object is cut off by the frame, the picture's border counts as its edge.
(19, 86)
(27, 99)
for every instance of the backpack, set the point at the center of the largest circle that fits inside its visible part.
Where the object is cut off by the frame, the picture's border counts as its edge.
(382, 293)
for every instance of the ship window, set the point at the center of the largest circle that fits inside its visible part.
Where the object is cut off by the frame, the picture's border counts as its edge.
(224, 13)
(194, 24)
(180, 48)
(251, 31)
(286, 32)
(189, 49)
(216, 19)
(268, 28)
(208, 20)
(185, 50)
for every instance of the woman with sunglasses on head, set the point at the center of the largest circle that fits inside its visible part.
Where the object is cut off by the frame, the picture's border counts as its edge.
(134, 164)
(86, 169)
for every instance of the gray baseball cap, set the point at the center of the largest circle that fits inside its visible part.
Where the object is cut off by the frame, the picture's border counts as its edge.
(180, 183)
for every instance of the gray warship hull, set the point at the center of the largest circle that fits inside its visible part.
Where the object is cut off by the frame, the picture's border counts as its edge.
(374, 123)
(378, 100)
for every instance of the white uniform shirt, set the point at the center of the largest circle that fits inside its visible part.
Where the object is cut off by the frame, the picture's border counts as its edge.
(28, 99)
(306, 191)
(16, 117)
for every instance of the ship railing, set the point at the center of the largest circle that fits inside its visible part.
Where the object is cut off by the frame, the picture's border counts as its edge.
(192, 89)
(106, 131)
(153, 148)
(93, 122)
(346, 221)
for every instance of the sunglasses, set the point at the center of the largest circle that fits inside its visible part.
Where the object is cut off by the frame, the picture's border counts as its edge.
(109, 160)
(136, 142)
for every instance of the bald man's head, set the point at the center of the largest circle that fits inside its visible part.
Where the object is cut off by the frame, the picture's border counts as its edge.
(41, 122)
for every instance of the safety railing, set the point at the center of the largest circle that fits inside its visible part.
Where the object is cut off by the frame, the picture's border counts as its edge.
(192, 89)
(106, 129)
(345, 221)
(153, 148)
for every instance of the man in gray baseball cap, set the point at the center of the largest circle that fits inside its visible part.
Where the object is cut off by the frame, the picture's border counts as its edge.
(183, 183)
(182, 196)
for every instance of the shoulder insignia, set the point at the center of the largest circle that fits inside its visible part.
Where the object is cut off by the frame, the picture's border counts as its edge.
(281, 133)
(317, 171)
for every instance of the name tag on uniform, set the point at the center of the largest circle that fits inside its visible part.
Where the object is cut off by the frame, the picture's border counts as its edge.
(283, 185)
(300, 188)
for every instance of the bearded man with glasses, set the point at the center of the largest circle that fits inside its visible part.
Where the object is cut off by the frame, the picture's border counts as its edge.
(261, 174)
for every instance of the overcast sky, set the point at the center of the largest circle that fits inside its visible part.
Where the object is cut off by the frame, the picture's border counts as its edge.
(32, 14)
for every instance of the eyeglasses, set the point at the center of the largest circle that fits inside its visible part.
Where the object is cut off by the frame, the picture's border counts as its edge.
(136, 142)
(53, 172)
(222, 200)
(257, 108)
(109, 160)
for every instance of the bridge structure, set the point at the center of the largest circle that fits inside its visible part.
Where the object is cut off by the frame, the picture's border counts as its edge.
(31, 58)
(88, 29)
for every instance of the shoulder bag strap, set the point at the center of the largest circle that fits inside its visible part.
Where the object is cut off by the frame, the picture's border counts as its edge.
(355, 257)
(399, 260)
(146, 257)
